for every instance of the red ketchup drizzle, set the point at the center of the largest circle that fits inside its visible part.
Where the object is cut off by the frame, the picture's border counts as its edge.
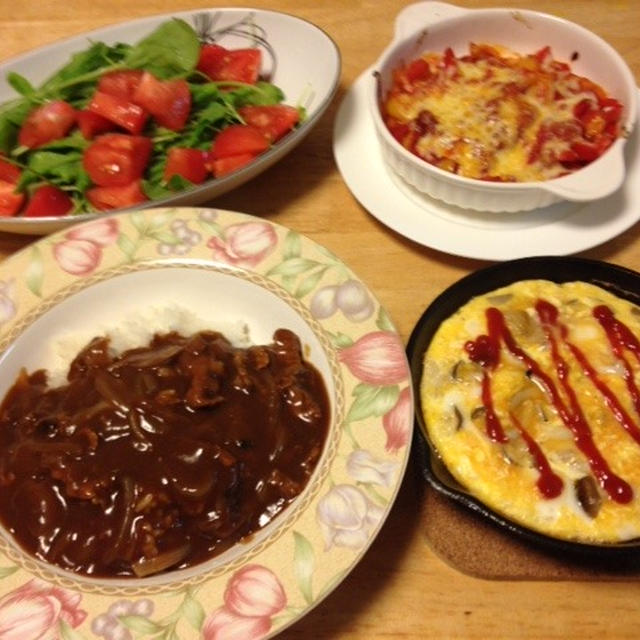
(620, 338)
(616, 487)
(549, 484)
(485, 350)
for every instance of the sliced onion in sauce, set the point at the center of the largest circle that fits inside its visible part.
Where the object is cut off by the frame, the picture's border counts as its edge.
(161, 562)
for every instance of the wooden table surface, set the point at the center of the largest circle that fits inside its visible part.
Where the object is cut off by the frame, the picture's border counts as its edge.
(401, 589)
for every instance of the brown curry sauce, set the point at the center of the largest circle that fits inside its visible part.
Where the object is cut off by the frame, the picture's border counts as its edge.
(159, 458)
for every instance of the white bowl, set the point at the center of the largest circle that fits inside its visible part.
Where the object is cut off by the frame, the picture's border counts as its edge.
(298, 57)
(433, 26)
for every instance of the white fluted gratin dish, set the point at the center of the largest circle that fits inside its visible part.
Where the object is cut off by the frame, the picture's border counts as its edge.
(434, 26)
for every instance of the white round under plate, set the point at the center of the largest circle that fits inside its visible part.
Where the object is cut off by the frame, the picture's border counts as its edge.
(560, 229)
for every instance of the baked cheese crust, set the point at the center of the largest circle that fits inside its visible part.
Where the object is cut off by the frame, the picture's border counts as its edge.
(497, 115)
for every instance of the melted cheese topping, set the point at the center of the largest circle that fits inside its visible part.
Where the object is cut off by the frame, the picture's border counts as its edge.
(490, 114)
(506, 474)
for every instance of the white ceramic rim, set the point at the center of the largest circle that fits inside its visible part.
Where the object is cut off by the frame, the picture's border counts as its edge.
(441, 14)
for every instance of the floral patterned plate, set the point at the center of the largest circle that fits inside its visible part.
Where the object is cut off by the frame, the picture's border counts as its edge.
(297, 56)
(225, 267)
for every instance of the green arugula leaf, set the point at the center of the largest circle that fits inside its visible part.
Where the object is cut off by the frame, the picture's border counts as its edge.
(178, 183)
(96, 57)
(63, 168)
(158, 189)
(54, 164)
(76, 81)
(11, 116)
(83, 181)
(20, 84)
(171, 50)
(261, 93)
(74, 141)
(205, 123)
(203, 94)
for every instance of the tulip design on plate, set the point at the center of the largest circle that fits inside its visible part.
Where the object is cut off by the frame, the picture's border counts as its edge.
(101, 232)
(7, 304)
(364, 468)
(351, 297)
(223, 624)
(77, 257)
(80, 252)
(378, 361)
(252, 597)
(39, 611)
(245, 244)
(347, 517)
(397, 422)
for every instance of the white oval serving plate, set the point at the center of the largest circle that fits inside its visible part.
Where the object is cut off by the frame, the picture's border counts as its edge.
(298, 57)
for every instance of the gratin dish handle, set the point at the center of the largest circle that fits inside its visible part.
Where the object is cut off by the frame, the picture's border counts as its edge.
(418, 16)
(597, 180)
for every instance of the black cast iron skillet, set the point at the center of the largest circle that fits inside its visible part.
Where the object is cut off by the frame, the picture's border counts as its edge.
(618, 280)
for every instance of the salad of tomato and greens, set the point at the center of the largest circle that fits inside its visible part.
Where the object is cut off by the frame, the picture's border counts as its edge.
(122, 124)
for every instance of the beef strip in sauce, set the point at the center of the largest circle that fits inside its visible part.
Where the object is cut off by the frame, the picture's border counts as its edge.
(159, 458)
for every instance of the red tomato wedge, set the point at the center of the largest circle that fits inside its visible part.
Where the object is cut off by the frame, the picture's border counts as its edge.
(238, 139)
(48, 200)
(237, 65)
(120, 111)
(588, 152)
(9, 172)
(274, 121)
(611, 110)
(188, 163)
(117, 159)
(10, 200)
(593, 123)
(168, 101)
(122, 84)
(224, 166)
(91, 124)
(418, 70)
(46, 123)
(105, 198)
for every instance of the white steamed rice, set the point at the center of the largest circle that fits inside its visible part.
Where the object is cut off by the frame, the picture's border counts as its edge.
(137, 331)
